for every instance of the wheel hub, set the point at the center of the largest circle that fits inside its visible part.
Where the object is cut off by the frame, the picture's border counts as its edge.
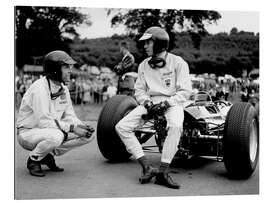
(253, 144)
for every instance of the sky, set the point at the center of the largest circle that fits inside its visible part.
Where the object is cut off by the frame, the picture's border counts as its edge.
(101, 27)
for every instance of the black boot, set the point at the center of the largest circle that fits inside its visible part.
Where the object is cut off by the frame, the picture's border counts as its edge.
(34, 168)
(148, 174)
(166, 180)
(49, 161)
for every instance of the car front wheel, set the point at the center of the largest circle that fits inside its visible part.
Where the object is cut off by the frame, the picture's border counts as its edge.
(241, 140)
(109, 143)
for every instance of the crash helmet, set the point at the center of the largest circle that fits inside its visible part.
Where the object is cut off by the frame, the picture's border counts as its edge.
(53, 62)
(160, 38)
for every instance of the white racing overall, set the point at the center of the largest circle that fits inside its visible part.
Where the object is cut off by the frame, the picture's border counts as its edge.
(36, 127)
(171, 83)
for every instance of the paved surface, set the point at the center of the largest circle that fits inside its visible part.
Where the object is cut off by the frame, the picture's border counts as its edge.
(88, 175)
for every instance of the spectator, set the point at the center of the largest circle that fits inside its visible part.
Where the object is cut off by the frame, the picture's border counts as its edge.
(79, 91)
(111, 90)
(220, 94)
(225, 91)
(72, 90)
(95, 92)
(86, 92)
(244, 95)
(213, 93)
(126, 65)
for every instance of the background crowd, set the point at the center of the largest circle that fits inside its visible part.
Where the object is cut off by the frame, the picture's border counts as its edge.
(82, 90)
(96, 90)
(235, 53)
(227, 88)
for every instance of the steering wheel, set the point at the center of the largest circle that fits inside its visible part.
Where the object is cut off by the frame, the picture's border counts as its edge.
(222, 103)
(202, 93)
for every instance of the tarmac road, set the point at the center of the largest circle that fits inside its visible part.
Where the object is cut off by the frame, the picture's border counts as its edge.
(88, 175)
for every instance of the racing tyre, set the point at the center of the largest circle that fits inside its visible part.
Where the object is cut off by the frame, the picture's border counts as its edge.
(109, 143)
(241, 141)
(257, 109)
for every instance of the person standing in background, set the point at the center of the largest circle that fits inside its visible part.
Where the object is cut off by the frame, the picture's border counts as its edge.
(126, 65)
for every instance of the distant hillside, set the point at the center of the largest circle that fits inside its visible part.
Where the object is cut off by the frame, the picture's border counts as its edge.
(220, 53)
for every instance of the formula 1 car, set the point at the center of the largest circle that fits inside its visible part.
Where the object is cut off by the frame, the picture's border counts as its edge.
(228, 132)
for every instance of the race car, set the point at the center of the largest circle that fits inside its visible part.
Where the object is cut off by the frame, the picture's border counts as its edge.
(215, 129)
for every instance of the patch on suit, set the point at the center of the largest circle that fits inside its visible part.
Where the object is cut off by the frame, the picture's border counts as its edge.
(167, 78)
(168, 82)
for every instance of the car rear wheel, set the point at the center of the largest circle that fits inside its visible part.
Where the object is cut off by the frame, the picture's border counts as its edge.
(109, 143)
(241, 141)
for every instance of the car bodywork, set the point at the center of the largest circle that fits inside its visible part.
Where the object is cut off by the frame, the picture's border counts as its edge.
(203, 127)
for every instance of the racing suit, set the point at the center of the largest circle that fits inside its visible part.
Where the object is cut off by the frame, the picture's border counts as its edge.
(171, 83)
(43, 122)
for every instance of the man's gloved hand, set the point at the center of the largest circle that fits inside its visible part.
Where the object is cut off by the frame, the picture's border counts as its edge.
(90, 131)
(83, 130)
(148, 104)
(159, 109)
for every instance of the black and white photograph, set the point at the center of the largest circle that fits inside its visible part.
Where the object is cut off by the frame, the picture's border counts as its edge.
(136, 101)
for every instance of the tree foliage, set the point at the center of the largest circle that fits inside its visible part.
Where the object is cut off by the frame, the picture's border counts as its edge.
(221, 53)
(42, 29)
(138, 20)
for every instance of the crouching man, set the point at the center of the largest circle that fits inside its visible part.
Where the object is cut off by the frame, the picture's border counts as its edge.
(163, 85)
(47, 125)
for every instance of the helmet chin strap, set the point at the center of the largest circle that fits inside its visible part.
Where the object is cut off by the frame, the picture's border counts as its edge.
(60, 92)
(157, 61)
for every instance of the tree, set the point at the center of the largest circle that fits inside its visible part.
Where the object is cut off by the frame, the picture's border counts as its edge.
(138, 20)
(234, 31)
(39, 30)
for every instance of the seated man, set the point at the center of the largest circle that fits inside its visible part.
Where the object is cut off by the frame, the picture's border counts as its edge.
(47, 124)
(163, 85)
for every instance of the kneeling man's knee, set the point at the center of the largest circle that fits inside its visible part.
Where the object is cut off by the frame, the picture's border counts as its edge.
(56, 137)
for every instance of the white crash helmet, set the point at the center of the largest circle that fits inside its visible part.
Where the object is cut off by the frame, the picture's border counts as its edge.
(159, 36)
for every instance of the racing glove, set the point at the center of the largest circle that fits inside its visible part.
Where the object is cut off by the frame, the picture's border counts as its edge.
(90, 131)
(84, 130)
(148, 104)
(159, 109)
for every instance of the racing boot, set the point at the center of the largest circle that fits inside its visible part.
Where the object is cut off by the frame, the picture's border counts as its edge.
(163, 178)
(148, 174)
(34, 168)
(49, 161)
